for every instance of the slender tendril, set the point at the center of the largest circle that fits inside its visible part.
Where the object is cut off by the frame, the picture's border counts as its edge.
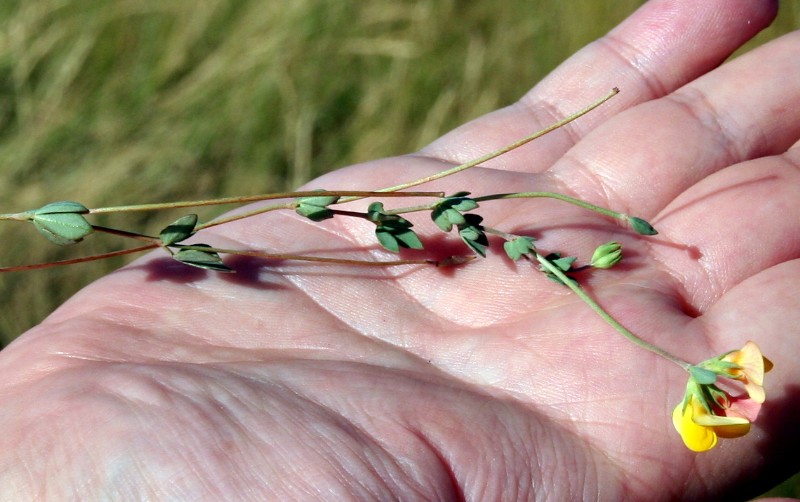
(501, 151)
(554, 195)
(321, 259)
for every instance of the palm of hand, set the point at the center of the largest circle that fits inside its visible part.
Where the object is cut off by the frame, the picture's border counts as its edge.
(483, 380)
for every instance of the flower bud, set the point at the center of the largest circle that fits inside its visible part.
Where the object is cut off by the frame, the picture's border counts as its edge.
(607, 255)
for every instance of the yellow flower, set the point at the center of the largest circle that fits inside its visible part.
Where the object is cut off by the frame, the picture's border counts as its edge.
(709, 412)
(700, 429)
(749, 368)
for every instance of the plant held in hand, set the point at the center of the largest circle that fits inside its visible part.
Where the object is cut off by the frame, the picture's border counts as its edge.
(709, 409)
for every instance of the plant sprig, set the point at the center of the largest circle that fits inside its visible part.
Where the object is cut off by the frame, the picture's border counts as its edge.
(66, 223)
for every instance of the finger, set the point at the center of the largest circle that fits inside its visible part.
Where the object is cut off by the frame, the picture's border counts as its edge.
(737, 223)
(644, 158)
(660, 47)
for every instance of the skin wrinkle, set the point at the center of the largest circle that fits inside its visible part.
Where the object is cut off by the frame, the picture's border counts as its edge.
(614, 45)
(792, 157)
(208, 413)
(395, 462)
(596, 191)
(446, 465)
(699, 106)
(351, 429)
(713, 285)
(552, 112)
(676, 284)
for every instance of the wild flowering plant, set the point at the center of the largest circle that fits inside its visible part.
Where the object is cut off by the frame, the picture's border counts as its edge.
(709, 409)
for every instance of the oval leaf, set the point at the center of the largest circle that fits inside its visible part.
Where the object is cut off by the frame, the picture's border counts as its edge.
(316, 208)
(62, 228)
(208, 260)
(178, 230)
(64, 206)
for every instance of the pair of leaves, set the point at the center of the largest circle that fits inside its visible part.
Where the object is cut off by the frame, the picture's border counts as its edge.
(518, 247)
(316, 208)
(179, 230)
(200, 258)
(393, 231)
(183, 228)
(449, 211)
(473, 235)
(563, 263)
(62, 223)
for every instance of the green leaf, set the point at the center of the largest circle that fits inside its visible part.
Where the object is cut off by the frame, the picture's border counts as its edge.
(563, 264)
(519, 246)
(448, 212)
(463, 204)
(64, 206)
(395, 234)
(408, 239)
(62, 222)
(473, 235)
(641, 227)
(387, 239)
(392, 230)
(702, 375)
(208, 260)
(315, 208)
(375, 212)
(178, 230)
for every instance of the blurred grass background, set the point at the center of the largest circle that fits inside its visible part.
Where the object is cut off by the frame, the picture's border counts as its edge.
(113, 102)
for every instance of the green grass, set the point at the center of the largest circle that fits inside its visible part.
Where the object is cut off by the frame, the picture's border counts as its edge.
(121, 102)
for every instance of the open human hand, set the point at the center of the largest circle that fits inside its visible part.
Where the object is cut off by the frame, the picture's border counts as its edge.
(482, 382)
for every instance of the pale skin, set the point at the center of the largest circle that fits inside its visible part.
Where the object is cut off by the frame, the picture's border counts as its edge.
(484, 382)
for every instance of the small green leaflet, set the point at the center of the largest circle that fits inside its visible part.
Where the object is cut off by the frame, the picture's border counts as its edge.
(208, 260)
(316, 208)
(448, 212)
(702, 375)
(178, 230)
(519, 246)
(471, 232)
(563, 263)
(393, 231)
(62, 222)
(393, 237)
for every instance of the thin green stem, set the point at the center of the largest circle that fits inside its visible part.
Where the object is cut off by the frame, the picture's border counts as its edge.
(130, 235)
(501, 151)
(583, 295)
(316, 259)
(247, 214)
(293, 204)
(554, 195)
(501, 233)
(24, 216)
(352, 214)
(411, 209)
(253, 198)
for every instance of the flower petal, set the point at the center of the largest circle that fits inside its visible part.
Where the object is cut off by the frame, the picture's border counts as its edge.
(755, 391)
(695, 437)
(751, 368)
